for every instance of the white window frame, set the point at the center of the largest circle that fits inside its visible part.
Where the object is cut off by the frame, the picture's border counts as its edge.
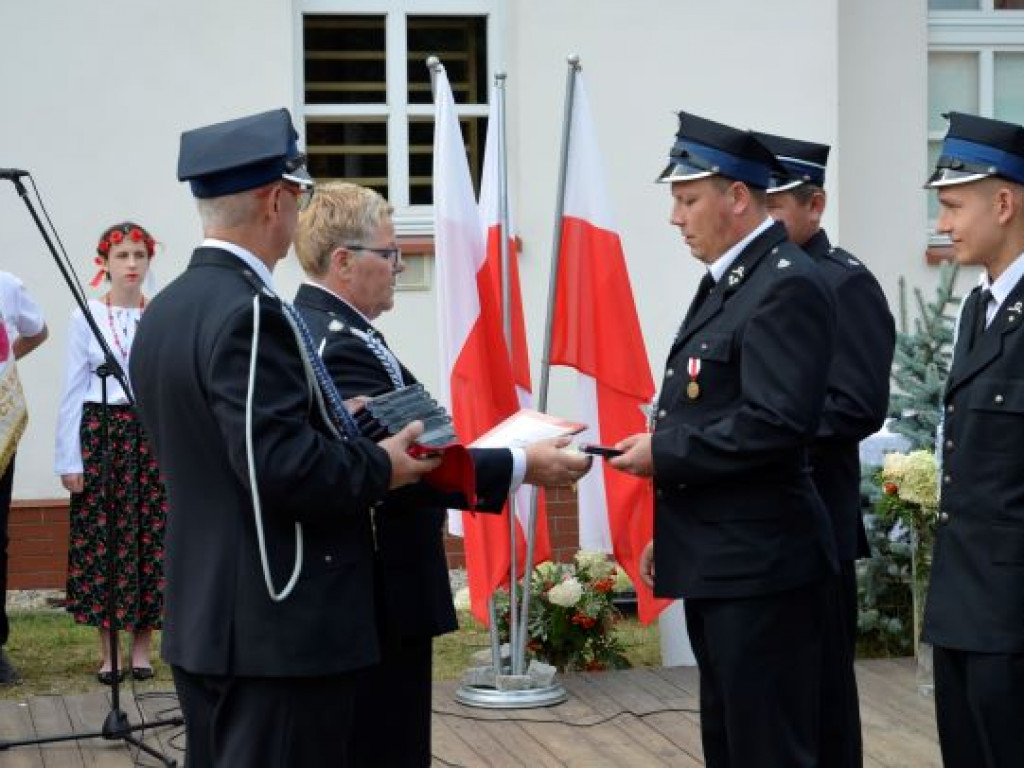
(985, 32)
(410, 220)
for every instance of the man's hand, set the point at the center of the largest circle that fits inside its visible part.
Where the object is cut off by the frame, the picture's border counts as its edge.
(75, 483)
(549, 465)
(646, 565)
(637, 458)
(404, 468)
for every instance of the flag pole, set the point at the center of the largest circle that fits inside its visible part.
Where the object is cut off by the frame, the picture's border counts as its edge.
(573, 61)
(434, 65)
(506, 303)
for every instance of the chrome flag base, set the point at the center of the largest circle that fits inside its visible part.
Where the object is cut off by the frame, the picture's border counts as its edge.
(487, 697)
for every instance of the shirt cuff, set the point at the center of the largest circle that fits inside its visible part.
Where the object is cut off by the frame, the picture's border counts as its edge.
(518, 469)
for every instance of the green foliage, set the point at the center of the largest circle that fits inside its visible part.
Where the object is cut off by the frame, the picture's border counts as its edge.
(921, 363)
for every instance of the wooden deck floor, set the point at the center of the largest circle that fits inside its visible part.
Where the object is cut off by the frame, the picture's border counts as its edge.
(634, 717)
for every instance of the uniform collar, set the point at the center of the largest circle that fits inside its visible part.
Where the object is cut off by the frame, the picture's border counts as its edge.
(348, 304)
(723, 262)
(250, 259)
(1006, 282)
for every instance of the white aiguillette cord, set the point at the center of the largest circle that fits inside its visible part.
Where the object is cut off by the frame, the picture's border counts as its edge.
(277, 597)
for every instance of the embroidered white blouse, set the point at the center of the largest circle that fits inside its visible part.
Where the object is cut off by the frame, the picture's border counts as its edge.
(81, 384)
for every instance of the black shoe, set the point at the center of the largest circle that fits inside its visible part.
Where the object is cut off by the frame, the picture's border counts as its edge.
(107, 677)
(142, 673)
(8, 673)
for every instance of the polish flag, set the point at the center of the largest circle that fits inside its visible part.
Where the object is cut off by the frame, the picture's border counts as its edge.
(597, 332)
(479, 385)
(490, 216)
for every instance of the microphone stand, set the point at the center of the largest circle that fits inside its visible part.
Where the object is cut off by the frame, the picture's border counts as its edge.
(116, 726)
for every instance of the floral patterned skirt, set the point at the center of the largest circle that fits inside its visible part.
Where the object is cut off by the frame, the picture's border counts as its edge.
(139, 508)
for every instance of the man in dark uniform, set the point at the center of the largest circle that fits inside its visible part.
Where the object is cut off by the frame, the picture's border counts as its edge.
(345, 242)
(974, 616)
(739, 530)
(856, 403)
(269, 596)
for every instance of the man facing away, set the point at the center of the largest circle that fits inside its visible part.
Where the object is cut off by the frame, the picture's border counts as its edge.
(269, 546)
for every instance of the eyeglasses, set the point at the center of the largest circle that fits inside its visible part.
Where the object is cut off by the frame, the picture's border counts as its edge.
(391, 254)
(303, 193)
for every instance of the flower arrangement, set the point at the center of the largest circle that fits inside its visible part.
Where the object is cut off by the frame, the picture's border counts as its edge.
(571, 613)
(911, 497)
(910, 483)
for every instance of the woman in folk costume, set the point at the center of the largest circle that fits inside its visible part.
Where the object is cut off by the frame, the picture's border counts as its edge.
(137, 496)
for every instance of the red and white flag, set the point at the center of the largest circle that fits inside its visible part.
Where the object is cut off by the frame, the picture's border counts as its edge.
(477, 375)
(597, 332)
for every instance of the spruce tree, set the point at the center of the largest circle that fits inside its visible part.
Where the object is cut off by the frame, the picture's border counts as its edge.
(921, 363)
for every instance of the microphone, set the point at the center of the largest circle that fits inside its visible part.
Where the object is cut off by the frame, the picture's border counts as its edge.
(12, 173)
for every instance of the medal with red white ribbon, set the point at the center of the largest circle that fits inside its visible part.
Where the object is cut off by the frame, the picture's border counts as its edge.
(693, 368)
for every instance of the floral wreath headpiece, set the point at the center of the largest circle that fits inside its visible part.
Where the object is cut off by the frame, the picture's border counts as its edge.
(116, 235)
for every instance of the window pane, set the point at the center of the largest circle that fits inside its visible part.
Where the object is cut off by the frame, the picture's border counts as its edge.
(461, 44)
(1009, 5)
(1009, 95)
(350, 150)
(953, 5)
(345, 59)
(952, 85)
(421, 155)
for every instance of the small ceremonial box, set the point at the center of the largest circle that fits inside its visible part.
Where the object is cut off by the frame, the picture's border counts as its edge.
(388, 414)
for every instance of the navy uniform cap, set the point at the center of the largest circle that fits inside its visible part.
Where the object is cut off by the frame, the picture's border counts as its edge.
(976, 148)
(241, 154)
(705, 148)
(804, 161)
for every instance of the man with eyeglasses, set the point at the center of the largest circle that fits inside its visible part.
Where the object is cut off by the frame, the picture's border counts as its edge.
(269, 545)
(345, 242)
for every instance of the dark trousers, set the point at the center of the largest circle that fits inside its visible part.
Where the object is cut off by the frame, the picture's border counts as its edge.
(265, 722)
(979, 706)
(841, 745)
(760, 661)
(6, 489)
(392, 719)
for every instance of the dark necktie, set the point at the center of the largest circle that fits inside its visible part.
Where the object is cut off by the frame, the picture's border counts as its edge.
(338, 413)
(704, 288)
(980, 317)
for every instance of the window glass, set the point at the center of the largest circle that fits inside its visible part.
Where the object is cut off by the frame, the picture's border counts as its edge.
(953, 5)
(421, 155)
(353, 150)
(1008, 99)
(345, 60)
(461, 44)
(952, 85)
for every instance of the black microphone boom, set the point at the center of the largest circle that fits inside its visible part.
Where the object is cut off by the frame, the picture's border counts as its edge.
(12, 173)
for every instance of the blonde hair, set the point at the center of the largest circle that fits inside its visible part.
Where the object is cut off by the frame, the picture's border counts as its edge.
(339, 213)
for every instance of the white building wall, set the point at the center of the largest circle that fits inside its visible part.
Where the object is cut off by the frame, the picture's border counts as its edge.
(97, 99)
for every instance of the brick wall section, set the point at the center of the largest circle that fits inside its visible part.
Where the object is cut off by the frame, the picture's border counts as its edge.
(563, 524)
(38, 531)
(38, 548)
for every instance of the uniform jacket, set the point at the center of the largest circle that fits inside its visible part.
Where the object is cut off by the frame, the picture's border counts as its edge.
(976, 595)
(190, 366)
(857, 397)
(736, 512)
(410, 520)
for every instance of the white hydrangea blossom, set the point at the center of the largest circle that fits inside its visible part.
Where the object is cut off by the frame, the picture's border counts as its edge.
(461, 599)
(596, 564)
(567, 593)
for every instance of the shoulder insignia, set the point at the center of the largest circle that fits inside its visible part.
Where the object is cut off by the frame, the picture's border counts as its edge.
(853, 261)
(335, 326)
(1013, 313)
(783, 263)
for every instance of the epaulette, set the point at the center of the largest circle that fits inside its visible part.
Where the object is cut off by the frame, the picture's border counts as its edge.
(844, 259)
